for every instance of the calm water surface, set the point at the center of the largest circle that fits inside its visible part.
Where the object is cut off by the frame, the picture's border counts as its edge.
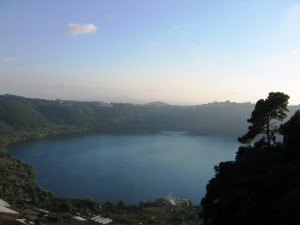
(126, 167)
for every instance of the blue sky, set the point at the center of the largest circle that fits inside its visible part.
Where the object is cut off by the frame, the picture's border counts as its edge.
(176, 51)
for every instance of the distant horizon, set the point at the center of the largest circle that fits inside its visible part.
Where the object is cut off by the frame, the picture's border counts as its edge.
(130, 101)
(136, 103)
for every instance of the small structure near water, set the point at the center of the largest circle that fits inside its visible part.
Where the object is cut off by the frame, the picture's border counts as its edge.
(175, 204)
(5, 210)
(101, 220)
(79, 218)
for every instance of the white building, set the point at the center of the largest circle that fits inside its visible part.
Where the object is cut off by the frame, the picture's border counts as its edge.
(5, 210)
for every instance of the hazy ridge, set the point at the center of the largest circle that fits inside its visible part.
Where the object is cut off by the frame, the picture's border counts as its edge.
(23, 118)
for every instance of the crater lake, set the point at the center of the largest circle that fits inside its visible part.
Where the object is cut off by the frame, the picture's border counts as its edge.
(126, 167)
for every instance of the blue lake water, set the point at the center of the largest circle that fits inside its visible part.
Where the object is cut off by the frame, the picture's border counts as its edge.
(126, 167)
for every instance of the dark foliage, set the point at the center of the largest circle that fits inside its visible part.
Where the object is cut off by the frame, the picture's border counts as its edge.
(262, 185)
(291, 132)
(263, 116)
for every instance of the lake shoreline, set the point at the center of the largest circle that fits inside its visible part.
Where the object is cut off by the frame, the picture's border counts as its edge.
(80, 132)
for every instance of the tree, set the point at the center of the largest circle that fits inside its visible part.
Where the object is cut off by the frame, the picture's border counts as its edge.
(142, 204)
(121, 204)
(263, 116)
(291, 135)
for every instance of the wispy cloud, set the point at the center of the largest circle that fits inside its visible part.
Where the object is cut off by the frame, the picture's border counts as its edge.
(153, 90)
(110, 17)
(293, 18)
(11, 60)
(207, 45)
(21, 65)
(76, 29)
(294, 13)
(294, 53)
(176, 27)
(152, 44)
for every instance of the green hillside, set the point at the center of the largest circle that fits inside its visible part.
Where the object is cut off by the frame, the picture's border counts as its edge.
(23, 118)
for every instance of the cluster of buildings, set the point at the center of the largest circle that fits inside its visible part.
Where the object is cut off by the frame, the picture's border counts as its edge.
(8, 214)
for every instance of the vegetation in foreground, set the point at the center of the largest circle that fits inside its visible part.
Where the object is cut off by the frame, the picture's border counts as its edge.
(262, 185)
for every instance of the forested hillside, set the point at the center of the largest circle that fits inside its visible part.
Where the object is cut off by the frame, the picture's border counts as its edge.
(22, 118)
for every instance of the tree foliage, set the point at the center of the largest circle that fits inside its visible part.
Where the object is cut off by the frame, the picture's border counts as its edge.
(260, 186)
(263, 117)
(291, 132)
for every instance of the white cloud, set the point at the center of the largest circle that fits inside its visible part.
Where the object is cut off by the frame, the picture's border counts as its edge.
(76, 29)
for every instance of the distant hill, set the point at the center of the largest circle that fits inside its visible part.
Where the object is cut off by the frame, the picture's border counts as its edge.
(157, 103)
(23, 118)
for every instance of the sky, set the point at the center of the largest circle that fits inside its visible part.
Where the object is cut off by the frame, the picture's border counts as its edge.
(138, 51)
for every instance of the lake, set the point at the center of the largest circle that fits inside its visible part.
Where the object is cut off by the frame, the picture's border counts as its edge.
(126, 167)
